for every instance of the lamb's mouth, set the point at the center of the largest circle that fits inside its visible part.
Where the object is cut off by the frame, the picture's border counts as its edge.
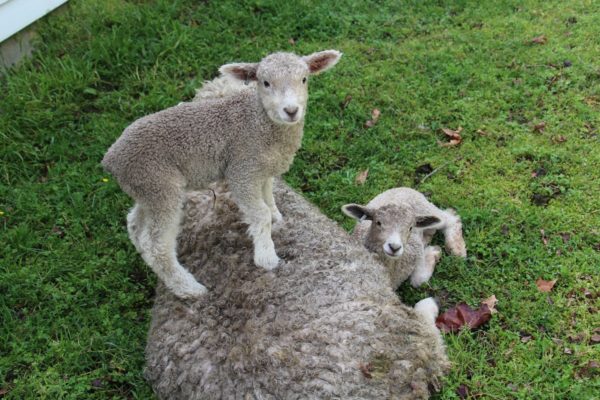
(391, 254)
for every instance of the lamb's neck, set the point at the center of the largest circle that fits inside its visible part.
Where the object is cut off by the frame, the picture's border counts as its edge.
(290, 136)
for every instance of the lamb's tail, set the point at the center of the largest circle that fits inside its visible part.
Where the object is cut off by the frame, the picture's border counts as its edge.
(455, 243)
(220, 87)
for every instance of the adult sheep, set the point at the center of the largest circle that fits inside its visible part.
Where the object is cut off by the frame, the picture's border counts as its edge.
(245, 138)
(325, 325)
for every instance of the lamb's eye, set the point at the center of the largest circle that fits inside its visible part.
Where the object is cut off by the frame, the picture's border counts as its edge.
(378, 223)
(304, 80)
(267, 84)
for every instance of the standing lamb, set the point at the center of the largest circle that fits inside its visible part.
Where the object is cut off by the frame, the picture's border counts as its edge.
(245, 138)
(387, 227)
(325, 325)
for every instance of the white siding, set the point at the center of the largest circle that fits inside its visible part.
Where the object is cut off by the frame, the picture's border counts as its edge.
(17, 14)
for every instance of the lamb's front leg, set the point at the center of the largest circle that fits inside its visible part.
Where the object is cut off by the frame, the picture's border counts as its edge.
(267, 193)
(425, 265)
(256, 213)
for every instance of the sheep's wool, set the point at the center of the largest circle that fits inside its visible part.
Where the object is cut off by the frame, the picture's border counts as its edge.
(325, 324)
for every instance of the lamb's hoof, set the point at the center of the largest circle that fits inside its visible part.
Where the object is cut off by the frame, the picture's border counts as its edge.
(266, 260)
(190, 290)
(435, 252)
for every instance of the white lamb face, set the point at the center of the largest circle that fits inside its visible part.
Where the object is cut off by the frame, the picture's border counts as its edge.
(282, 81)
(391, 226)
(282, 87)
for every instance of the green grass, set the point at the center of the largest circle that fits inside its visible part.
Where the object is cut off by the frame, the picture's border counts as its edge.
(75, 296)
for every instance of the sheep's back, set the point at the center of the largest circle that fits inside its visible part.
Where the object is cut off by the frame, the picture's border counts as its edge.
(324, 324)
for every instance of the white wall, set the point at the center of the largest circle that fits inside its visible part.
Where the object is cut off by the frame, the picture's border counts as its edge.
(17, 14)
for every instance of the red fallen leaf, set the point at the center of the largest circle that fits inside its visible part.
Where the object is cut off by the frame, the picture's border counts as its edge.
(454, 136)
(374, 118)
(545, 286)
(539, 39)
(362, 177)
(491, 303)
(366, 370)
(463, 315)
(539, 127)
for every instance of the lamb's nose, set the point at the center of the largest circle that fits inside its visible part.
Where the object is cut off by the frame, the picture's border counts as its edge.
(291, 111)
(395, 247)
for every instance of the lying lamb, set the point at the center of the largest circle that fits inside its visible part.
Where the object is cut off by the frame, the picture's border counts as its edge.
(246, 138)
(325, 325)
(398, 225)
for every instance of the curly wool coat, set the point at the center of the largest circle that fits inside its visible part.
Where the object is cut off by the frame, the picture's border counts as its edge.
(326, 324)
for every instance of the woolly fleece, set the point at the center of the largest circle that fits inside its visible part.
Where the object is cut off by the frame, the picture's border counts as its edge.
(326, 324)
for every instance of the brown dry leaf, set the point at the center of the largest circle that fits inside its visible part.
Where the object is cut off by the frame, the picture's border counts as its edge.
(462, 391)
(559, 139)
(346, 101)
(3, 391)
(539, 39)
(362, 177)
(463, 315)
(375, 114)
(366, 370)
(595, 339)
(539, 127)
(491, 303)
(292, 41)
(544, 238)
(454, 136)
(481, 132)
(525, 336)
(545, 286)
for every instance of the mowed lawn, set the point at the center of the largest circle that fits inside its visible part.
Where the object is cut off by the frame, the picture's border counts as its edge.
(74, 294)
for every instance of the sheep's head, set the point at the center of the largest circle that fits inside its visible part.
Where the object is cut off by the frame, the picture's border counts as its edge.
(282, 81)
(390, 228)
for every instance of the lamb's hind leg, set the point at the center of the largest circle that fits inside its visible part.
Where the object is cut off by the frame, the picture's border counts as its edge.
(455, 243)
(157, 242)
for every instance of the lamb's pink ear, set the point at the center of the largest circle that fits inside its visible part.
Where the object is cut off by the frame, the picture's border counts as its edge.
(358, 212)
(242, 71)
(322, 60)
(424, 221)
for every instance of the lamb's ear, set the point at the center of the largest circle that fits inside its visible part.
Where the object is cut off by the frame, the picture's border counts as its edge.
(358, 212)
(242, 71)
(424, 221)
(322, 60)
